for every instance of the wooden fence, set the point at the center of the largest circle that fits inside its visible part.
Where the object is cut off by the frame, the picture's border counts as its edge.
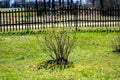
(17, 19)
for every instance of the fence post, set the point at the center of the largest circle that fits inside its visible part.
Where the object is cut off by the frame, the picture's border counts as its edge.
(119, 16)
(76, 16)
(0, 22)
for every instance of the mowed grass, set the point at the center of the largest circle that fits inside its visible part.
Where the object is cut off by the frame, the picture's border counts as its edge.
(92, 58)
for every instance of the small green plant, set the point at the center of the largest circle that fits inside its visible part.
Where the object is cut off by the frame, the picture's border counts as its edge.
(60, 45)
(116, 44)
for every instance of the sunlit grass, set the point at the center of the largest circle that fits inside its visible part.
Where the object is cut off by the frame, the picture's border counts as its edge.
(92, 58)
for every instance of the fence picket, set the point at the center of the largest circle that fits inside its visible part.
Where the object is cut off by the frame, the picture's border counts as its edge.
(0, 23)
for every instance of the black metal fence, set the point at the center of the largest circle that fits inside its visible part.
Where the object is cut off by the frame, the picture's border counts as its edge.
(77, 16)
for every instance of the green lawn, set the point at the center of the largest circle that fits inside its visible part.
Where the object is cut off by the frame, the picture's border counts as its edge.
(93, 58)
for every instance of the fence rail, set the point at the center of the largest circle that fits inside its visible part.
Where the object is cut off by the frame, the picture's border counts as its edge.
(31, 18)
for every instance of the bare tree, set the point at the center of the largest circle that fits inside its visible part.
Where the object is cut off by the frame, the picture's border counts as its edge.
(23, 0)
(91, 1)
(104, 3)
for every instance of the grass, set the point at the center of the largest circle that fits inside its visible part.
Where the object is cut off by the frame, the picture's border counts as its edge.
(44, 27)
(93, 58)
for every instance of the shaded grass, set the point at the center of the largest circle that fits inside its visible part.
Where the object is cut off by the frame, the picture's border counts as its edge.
(93, 58)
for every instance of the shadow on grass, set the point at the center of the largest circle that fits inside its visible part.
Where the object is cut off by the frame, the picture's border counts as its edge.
(116, 51)
(51, 64)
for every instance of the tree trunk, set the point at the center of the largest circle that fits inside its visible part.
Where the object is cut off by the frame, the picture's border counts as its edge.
(101, 3)
(103, 12)
(93, 2)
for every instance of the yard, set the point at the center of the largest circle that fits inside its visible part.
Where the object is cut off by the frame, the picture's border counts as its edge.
(92, 58)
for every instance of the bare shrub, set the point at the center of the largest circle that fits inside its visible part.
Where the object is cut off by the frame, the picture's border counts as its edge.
(60, 45)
